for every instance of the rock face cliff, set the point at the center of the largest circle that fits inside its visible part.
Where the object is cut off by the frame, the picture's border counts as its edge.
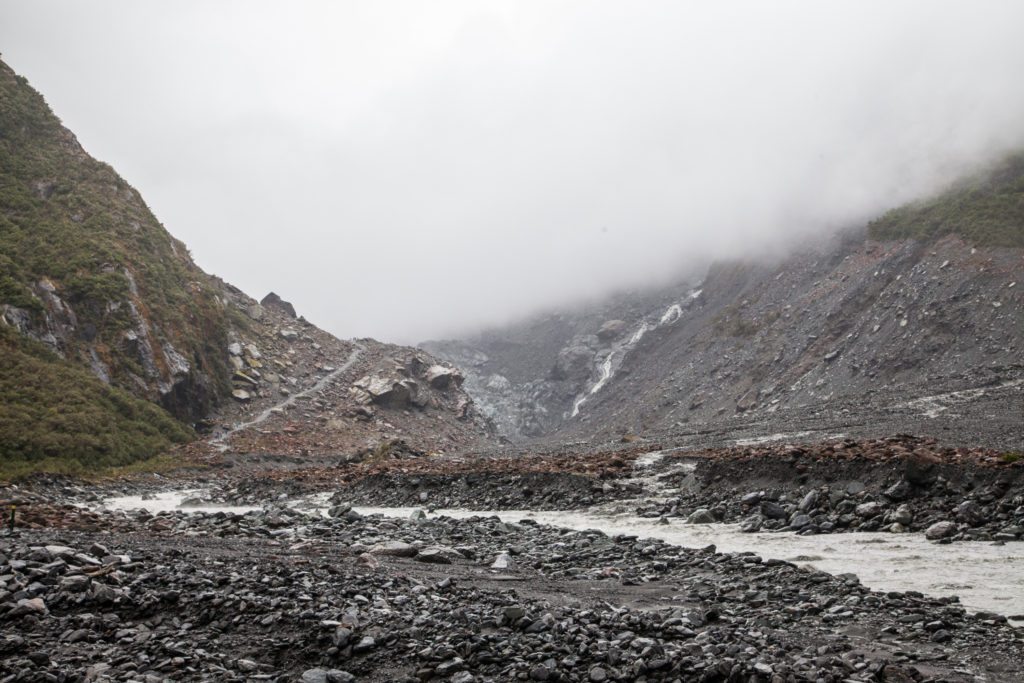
(916, 313)
(90, 280)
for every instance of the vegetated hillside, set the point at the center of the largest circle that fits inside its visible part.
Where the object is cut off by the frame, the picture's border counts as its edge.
(986, 209)
(56, 415)
(87, 270)
(857, 334)
(101, 307)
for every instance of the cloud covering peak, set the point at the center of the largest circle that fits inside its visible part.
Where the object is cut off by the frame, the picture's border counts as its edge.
(408, 170)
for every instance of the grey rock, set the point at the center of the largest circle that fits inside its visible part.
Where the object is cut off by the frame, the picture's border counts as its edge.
(868, 510)
(940, 530)
(439, 554)
(701, 516)
(611, 329)
(809, 502)
(394, 549)
(442, 378)
(903, 516)
(773, 510)
(799, 521)
(899, 491)
(314, 676)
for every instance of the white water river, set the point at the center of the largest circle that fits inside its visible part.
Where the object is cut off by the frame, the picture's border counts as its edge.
(985, 576)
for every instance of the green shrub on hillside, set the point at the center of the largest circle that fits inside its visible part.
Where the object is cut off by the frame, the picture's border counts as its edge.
(57, 416)
(987, 210)
(71, 220)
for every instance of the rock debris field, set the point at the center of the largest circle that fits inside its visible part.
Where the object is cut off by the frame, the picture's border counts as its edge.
(282, 595)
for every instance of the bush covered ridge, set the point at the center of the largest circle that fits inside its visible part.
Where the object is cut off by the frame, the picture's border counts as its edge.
(57, 416)
(986, 209)
(70, 223)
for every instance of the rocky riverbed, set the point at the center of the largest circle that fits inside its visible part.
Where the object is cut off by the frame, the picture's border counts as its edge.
(897, 484)
(280, 594)
(290, 582)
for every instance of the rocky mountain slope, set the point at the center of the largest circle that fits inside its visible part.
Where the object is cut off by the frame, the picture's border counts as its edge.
(917, 316)
(103, 314)
(301, 392)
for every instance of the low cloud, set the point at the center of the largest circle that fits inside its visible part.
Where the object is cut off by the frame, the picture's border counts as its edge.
(412, 170)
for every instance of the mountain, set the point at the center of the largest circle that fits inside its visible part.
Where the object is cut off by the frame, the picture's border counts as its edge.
(116, 345)
(918, 314)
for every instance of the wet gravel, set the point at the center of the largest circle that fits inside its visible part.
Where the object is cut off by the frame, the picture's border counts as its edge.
(899, 484)
(283, 595)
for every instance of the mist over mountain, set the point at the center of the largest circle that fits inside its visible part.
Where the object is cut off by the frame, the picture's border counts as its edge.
(505, 158)
(726, 375)
(114, 345)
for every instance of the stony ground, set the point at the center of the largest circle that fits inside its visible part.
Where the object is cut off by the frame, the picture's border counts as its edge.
(282, 595)
(896, 484)
(279, 595)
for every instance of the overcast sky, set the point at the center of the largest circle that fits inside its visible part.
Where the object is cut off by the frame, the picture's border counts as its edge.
(407, 170)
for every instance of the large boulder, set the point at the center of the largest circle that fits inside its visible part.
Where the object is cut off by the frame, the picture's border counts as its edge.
(970, 513)
(391, 392)
(920, 468)
(573, 362)
(439, 554)
(701, 516)
(394, 549)
(868, 510)
(611, 329)
(773, 510)
(274, 301)
(443, 378)
(940, 530)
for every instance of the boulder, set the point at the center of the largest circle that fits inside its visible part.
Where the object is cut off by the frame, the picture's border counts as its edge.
(439, 554)
(903, 516)
(611, 329)
(389, 391)
(752, 524)
(920, 468)
(868, 510)
(799, 521)
(970, 513)
(701, 516)
(326, 676)
(394, 549)
(274, 301)
(809, 502)
(27, 606)
(773, 510)
(573, 362)
(748, 401)
(502, 561)
(443, 378)
(940, 530)
(752, 498)
(898, 491)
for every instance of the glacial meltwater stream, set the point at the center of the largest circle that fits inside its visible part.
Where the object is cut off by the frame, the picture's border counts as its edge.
(985, 576)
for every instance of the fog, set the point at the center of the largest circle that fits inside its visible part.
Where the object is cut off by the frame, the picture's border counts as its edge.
(409, 170)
